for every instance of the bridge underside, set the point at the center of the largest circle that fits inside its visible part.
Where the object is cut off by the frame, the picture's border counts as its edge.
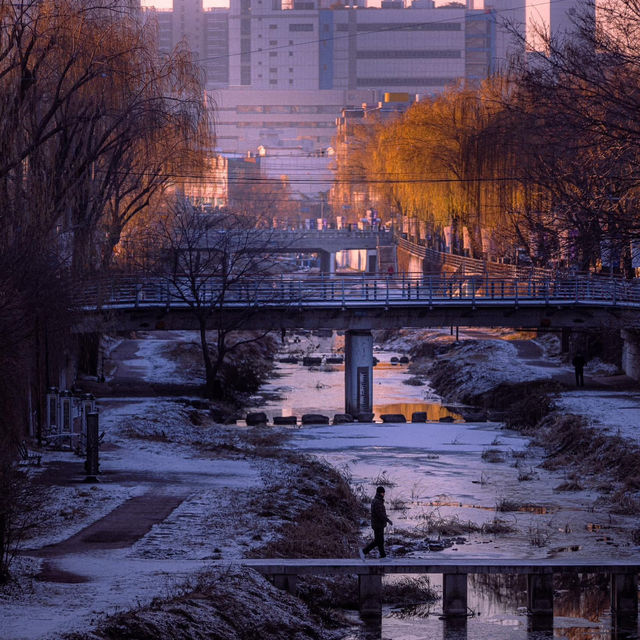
(363, 317)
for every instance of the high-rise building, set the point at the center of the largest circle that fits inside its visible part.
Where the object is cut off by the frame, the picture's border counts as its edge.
(204, 32)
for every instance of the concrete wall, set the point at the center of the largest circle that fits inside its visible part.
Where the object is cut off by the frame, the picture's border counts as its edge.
(409, 262)
(631, 353)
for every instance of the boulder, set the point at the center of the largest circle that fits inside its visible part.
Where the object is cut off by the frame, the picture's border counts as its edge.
(392, 417)
(404, 360)
(256, 419)
(285, 420)
(334, 360)
(314, 418)
(419, 416)
(311, 361)
(342, 418)
(365, 417)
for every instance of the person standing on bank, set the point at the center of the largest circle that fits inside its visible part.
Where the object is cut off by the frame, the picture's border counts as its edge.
(379, 521)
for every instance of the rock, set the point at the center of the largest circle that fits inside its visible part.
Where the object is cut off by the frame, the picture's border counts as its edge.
(419, 416)
(256, 419)
(394, 360)
(311, 361)
(289, 360)
(314, 418)
(404, 360)
(280, 420)
(393, 417)
(334, 360)
(365, 417)
(375, 361)
(342, 418)
(222, 416)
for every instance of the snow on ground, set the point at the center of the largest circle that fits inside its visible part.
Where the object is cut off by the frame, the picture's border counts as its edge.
(614, 411)
(139, 456)
(153, 361)
(214, 517)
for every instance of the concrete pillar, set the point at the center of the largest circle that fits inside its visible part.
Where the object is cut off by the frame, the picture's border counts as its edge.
(624, 600)
(93, 442)
(327, 262)
(286, 582)
(358, 372)
(631, 353)
(372, 261)
(540, 594)
(370, 591)
(454, 594)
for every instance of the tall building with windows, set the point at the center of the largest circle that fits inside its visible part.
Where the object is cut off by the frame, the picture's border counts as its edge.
(205, 32)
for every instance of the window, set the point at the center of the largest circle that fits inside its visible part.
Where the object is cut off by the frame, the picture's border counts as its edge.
(273, 82)
(273, 43)
(273, 54)
(301, 27)
(290, 53)
(273, 26)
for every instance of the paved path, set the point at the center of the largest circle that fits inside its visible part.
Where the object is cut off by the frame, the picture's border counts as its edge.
(120, 528)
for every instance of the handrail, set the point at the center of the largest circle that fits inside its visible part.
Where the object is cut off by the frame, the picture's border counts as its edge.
(400, 289)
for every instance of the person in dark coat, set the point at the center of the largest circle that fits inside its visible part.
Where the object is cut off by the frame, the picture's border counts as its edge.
(379, 521)
(578, 365)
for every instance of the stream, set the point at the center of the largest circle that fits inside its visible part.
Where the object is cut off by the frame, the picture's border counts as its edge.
(471, 474)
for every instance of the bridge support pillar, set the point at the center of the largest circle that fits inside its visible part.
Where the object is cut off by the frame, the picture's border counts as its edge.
(454, 594)
(327, 262)
(631, 353)
(286, 582)
(540, 594)
(370, 591)
(358, 372)
(624, 600)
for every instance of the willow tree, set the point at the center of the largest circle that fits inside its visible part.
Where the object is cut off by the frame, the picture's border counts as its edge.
(584, 90)
(92, 122)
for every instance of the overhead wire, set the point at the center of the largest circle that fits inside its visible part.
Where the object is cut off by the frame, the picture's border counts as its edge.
(378, 29)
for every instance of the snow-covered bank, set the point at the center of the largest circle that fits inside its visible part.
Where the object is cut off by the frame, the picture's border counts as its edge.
(226, 492)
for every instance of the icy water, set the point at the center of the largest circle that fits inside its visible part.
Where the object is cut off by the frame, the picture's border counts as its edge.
(465, 472)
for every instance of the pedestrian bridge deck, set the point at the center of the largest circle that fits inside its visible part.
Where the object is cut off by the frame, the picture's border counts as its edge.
(319, 566)
(540, 573)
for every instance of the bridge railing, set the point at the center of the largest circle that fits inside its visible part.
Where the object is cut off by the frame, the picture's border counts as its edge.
(294, 289)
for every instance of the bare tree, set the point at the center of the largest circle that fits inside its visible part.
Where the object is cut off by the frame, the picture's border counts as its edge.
(208, 260)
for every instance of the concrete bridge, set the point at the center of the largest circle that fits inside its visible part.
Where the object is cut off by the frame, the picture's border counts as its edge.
(358, 304)
(540, 573)
(379, 245)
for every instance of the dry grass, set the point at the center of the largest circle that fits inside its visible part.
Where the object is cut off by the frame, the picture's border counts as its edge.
(508, 504)
(325, 514)
(493, 455)
(498, 526)
(383, 480)
(447, 526)
(408, 591)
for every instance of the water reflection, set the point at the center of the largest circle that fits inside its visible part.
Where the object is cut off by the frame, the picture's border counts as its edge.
(435, 411)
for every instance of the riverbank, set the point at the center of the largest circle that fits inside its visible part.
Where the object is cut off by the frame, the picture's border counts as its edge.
(527, 385)
(225, 492)
(177, 490)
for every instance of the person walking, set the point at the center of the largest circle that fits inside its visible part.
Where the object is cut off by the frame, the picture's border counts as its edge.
(578, 365)
(379, 521)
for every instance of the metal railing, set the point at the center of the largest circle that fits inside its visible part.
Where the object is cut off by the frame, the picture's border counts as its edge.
(360, 290)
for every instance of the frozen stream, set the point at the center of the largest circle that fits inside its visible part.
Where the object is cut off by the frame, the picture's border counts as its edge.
(438, 471)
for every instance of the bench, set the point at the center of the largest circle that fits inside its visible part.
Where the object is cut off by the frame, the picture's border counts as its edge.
(26, 456)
